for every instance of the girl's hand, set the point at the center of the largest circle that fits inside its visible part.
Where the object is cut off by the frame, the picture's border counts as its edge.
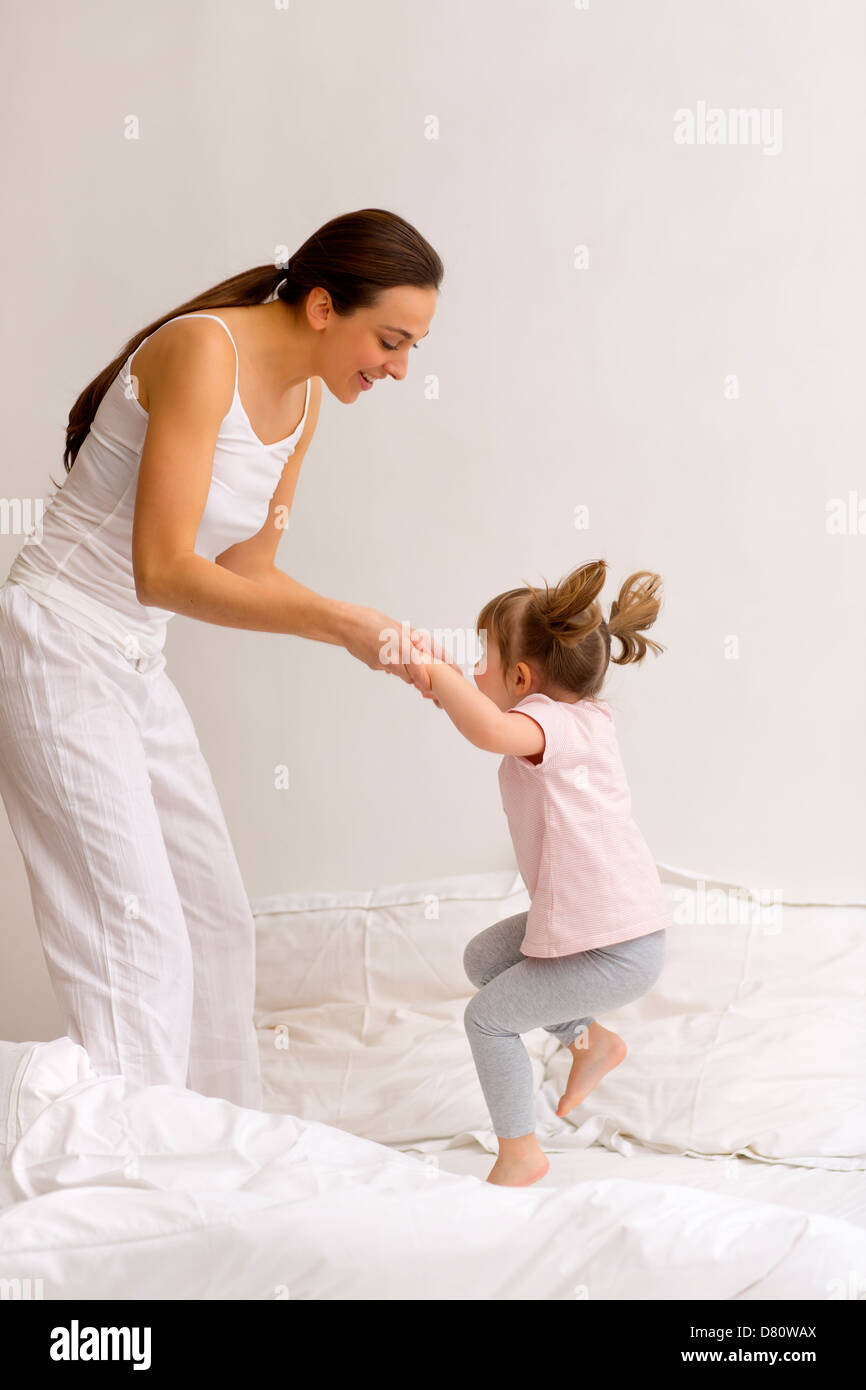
(426, 653)
(425, 685)
(422, 661)
(425, 647)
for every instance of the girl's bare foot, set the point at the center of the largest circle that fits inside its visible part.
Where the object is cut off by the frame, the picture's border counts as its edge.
(605, 1051)
(520, 1163)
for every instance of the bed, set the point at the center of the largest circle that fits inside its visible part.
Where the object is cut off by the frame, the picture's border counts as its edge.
(723, 1159)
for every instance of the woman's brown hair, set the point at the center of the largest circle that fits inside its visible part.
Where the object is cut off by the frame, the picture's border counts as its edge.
(354, 257)
(562, 632)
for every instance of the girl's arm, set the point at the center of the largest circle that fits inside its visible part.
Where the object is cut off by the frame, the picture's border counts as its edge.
(475, 715)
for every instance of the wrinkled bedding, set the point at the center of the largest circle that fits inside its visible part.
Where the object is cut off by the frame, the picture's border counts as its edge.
(109, 1190)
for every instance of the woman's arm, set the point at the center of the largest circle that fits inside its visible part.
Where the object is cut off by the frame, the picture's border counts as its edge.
(274, 602)
(188, 398)
(201, 589)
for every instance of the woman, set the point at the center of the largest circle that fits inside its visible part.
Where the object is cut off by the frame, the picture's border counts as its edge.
(176, 504)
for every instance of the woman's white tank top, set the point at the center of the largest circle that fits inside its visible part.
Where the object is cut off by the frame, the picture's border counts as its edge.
(81, 566)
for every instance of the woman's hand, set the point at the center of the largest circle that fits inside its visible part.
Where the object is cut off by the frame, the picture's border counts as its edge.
(367, 634)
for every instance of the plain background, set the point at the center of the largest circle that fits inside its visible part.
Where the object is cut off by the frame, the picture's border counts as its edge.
(545, 385)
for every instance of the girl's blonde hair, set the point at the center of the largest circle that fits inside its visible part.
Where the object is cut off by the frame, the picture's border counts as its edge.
(562, 632)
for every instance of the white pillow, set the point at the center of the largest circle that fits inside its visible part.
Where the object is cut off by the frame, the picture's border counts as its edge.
(360, 1001)
(752, 1041)
(32, 1074)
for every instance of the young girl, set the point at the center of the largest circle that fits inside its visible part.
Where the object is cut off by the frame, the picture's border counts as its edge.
(594, 937)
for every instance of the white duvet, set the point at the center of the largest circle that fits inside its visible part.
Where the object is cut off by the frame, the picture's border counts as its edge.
(112, 1191)
(753, 1042)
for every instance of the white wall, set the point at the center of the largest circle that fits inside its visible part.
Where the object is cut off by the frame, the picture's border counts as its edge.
(558, 386)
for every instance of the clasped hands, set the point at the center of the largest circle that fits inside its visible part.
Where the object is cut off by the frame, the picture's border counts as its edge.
(425, 653)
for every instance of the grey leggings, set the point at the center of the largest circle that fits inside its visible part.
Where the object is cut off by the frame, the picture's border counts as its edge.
(518, 993)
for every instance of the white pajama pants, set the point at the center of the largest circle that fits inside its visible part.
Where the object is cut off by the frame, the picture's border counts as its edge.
(145, 925)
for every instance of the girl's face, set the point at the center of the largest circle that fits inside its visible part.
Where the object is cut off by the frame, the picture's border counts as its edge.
(376, 340)
(492, 681)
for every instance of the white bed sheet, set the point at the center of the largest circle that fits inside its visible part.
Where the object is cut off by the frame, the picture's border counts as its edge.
(839, 1195)
(113, 1191)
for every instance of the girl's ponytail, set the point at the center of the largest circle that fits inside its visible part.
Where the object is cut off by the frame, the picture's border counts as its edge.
(636, 609)
(561, 632)
(568, 613)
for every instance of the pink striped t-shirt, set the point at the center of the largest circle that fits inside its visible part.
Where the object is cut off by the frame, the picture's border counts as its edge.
(585, 863)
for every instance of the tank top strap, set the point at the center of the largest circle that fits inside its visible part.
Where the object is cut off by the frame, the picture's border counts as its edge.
(199, 314)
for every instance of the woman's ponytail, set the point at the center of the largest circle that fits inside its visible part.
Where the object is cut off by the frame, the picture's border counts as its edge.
(636, 609)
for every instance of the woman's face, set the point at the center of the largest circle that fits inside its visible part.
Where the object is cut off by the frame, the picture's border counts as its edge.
(369, 340)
